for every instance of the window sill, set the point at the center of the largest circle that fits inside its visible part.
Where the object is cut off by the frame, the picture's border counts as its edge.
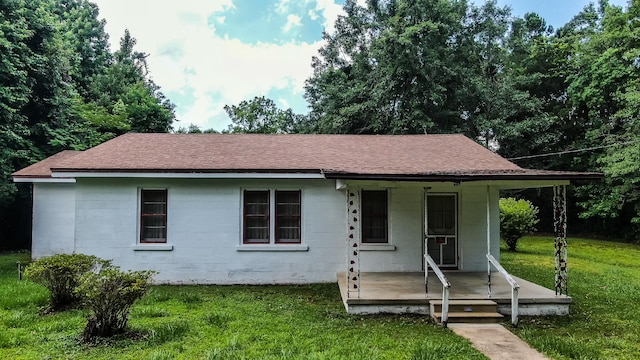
(152, 247)
(270, 247)
(377, 247)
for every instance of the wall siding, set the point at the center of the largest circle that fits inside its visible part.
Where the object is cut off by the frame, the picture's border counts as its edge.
(473, 230)
(101, 217)
(53, 219)
(405, 233)
(204, 229)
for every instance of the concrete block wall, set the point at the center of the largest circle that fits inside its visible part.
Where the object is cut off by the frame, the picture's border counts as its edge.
(203, 228)
(53, 219)
(101, 217)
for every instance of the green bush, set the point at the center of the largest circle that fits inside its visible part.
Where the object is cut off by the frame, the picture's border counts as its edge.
(60, 274)
(109, 295)
(517, 218)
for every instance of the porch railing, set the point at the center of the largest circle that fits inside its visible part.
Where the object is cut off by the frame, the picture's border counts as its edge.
(511, 281)
(446, 286)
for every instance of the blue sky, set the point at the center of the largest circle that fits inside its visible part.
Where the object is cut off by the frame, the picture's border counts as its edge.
(209, 53)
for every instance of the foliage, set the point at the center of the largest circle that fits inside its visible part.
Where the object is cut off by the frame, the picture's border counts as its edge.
(607, 88)
(194, 129)
(62, 88)
(61, 275)
(391, 67)
(517, 218)
(261, 116)
(109, 294)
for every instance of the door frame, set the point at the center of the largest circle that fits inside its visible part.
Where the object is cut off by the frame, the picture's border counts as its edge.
(455, 236)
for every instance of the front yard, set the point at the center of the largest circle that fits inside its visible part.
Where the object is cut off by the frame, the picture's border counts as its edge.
(604, 281)
(221, 322)
(309, 322)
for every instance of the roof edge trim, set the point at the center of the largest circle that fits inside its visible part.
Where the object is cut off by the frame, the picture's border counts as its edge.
(167, 174)
(37, 179)
(577, 177)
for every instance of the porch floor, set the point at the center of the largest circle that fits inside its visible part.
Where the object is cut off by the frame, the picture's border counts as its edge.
(405, 292)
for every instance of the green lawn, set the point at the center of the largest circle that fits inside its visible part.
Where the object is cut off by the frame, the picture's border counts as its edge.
(221, 322)
(309, 322)
(604, 281)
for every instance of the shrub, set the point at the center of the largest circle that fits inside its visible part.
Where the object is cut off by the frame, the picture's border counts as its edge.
(517, 218)
(60, 274)
(109, 295)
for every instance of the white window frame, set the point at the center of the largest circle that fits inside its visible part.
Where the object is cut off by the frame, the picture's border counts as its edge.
(150, 246)
(272, 245)
(386, 246)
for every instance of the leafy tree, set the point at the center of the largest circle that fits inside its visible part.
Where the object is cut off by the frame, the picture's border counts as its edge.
(262, 115)
(605, 92)
(502, 106)
(89, 43)
(125, 82)
(194, 129)
(61, 88)
(33, 93)
(517, 218)
(390, 67)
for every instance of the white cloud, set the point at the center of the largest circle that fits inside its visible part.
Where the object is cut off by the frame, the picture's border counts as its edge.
(282, 7)
(284, 104)
(330, 11)
(292, 20)
(216, 70)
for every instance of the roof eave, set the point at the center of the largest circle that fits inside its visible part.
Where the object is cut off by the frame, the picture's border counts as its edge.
(190, 173)
(577, 178)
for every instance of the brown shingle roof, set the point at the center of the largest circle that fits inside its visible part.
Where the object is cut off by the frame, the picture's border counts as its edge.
(346, 156)
(42, 169)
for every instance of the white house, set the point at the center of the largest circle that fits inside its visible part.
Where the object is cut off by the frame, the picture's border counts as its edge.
(265, 209)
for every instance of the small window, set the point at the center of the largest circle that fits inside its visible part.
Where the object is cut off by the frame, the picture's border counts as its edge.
(256, 217)
(374, 217)
(153, 216)
(287, 217)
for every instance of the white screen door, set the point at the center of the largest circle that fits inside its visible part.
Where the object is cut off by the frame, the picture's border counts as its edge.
(442, 229)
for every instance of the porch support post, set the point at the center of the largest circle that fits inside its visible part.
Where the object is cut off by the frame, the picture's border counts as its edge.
(488, 239)
(353, 243)
(560, 238)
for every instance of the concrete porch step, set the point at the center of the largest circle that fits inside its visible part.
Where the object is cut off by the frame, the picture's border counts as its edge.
(470, 317)
(467, 306)
(467, 311)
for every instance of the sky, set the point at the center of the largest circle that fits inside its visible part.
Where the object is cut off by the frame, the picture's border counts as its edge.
(205, 54)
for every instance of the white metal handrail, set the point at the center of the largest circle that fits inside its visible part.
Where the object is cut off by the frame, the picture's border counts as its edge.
(445, 286)
(511, 281)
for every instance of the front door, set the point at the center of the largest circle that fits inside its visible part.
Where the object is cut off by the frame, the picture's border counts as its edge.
(441, 223)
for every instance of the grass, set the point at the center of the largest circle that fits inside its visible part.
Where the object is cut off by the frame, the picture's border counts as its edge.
(309, 322)
(604, 282)
(220, 322)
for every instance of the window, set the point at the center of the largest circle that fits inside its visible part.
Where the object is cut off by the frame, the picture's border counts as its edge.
(287, 217)
(374, 217)
(256, 217)
(153, 216)
(271, 217)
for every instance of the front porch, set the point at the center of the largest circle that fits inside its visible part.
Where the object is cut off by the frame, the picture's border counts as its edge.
(404, 292)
